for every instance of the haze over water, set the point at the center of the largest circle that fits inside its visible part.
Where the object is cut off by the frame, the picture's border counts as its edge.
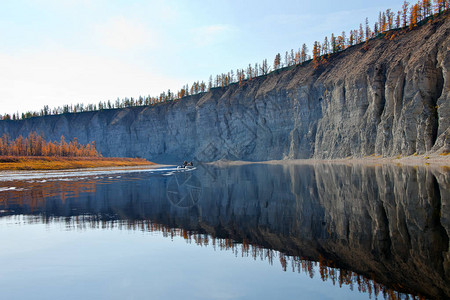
(233, 232)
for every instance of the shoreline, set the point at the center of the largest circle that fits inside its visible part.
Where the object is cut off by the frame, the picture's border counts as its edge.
(13, 175)
(101, 164)
(42, 163)
(433, 161)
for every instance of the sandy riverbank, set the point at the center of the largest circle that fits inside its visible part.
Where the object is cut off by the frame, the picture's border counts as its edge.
(65, 163)
(440, 161)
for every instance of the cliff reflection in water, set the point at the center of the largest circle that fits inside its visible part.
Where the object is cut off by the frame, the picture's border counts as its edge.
(363, 226)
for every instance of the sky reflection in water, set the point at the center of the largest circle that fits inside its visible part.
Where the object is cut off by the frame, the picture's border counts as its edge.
(119, 264)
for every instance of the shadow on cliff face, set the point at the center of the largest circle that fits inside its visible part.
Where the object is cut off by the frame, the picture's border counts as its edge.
(387, 223)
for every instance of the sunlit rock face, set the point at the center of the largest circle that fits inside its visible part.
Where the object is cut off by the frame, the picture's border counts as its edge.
(389, 96)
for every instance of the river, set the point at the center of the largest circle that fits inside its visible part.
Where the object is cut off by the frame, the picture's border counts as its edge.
(255, 231)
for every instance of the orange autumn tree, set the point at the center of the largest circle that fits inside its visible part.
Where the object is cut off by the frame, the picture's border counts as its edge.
(35, 145)
(415, 16)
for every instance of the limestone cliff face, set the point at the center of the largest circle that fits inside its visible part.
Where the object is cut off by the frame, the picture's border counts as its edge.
(388, 97)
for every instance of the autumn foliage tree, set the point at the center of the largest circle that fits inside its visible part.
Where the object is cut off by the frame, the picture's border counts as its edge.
(415, 15)
(439, 5)
(35, 145)
(316, 54)
(405, 13)
(277, 62)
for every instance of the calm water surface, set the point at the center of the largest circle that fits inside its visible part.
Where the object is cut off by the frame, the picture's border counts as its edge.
(234, 232)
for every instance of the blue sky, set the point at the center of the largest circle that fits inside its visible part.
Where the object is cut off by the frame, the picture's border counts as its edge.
(55, 52)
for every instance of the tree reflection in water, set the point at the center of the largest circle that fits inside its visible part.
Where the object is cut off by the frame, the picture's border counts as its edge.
(379, 230)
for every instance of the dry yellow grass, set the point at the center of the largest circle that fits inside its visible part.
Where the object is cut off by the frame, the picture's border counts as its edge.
(61, 163)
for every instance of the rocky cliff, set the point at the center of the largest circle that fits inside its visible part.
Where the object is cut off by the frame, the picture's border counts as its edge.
(389, 96)
(388, 223)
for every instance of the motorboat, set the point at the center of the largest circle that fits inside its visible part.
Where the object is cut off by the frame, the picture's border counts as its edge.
(185, 167)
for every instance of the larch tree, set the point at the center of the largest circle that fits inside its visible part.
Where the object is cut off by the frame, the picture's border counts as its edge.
(64, 149)
(265, 67)
(210, 82)
(368, 33)
(239, 76)
(380, 20)
(351, 39)
(383, 22)
(297, 57)
(304, 53)
(414, 17)
(316, 54)
(333, 44)
(277, 62)
(405, 13)
(40, 144)
(286, 59)
(256, 70)
(2, 147)
(326, 46)
(182, 93)
(388, 19)
(426, 8)
(249, 71)
(397, 19)
(361, 34)
(438, 5)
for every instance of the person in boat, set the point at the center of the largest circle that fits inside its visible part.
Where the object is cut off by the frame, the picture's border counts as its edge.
(185, 163)
(191, 164)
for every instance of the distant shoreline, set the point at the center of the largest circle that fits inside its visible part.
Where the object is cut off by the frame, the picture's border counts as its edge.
(434, 160)
(13, 163)
(22, 163)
